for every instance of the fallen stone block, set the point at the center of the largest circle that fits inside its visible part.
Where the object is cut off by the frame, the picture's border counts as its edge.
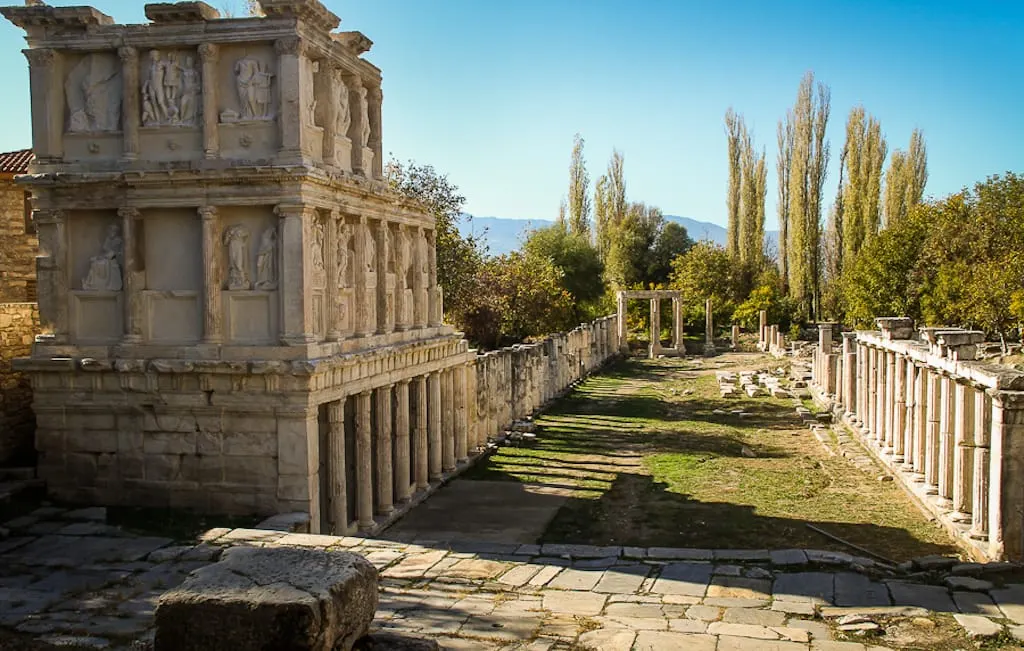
(270, 598)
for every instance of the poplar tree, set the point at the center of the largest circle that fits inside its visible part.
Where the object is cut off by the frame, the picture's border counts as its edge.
(783, 161)
(864, 154)
(601, 216)
(734, 131)
(609, 203)
(752, 199)
(905, 179)
(579, 186)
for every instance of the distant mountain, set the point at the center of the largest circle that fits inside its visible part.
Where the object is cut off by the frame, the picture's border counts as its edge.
(503, 235)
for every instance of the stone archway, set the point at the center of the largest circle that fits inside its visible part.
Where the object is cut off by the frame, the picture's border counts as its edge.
(655, 296)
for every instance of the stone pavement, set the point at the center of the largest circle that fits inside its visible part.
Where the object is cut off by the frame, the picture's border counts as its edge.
(66, 576)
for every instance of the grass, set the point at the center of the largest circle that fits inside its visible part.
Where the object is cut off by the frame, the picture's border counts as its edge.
(651, 463)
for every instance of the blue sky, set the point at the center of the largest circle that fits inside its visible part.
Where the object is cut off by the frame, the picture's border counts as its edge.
(492, 93)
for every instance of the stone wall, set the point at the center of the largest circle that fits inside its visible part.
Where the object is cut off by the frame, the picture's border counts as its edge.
(512, 383)
(17, 247)
(18, 324)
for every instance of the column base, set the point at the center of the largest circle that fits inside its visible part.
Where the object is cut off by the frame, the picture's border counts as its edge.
(298, 340)
(977, 535)
(385, 510)
(943, 502)
(917, 477)
(960, 517)
(137, 339)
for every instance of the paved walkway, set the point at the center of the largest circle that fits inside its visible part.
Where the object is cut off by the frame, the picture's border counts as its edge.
(67, 577)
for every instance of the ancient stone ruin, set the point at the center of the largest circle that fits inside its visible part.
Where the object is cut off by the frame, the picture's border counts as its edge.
(240, 314)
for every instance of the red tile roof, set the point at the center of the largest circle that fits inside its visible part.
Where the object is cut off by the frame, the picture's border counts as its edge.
(15, 162)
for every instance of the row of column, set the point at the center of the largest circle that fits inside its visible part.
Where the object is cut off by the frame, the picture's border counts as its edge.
(406, 436)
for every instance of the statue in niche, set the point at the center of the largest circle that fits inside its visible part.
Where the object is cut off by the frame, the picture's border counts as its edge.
(424, 253)
(318, 246)
(236, 238)
(170, 97)
(344, 110)
(344, 254)
(387, 255)
(266, 260)
(253, 82)
(309, 71)
(364, 118)
(404, 255)
(105, 268)
(93, 91)
(370, 247)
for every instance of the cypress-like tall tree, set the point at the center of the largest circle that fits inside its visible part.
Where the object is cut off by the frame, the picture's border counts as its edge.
(609, 203)
(601, 209)
(864, 154)
(905, 179)
(579, 187)
(734, 131)
(783, 162)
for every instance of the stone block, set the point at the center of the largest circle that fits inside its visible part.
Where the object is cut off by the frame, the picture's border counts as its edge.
(270, 598)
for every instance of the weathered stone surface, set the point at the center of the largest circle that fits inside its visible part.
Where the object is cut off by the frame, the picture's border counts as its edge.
(385, 641)
(931, 597)
(683, 579)
(257, 598)
(977, 626)
(968, 583)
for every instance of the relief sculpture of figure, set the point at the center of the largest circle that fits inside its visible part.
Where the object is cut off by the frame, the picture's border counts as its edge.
(364, 118)
(105, 268)
(344, 110)
(266, 260)
(344, 255)
(388, 255)
(170, 97)
(236, 238)
(253, 81)
(93, 92)
(190, 90)
(318, 245)
(370, 247)
(404, 256)
(157, 70)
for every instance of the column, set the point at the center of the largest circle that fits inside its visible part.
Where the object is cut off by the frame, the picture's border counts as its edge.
(332, 299)
(402, 252)
(889, 401)
(422, 470)
(762, 319)
(360, 278)
(383, 236)
(52, 271)
(872, 393)
(1006, 483)
(419, 282)
(677, 325)
(47, 92)
(881, 377)
(620, 320)
(364, 461)
(336, 463)
(945, 461)
(330, 74)
(447, 416)
(208, 55)
(385, 477)
(296, 306)
(931, 442)
(709, 325)
(375, 99)
(982, 458)
(402, 472)
(130, 102)
(909, 427)
(132, 277)
(288, 81)
(433, 297)
(461, 413)
(434, 425)
(655, 319)
(860, 413)
(920, 421)
(899, 410)
(356, 92)
(963, 452)
(211, 276)
(850, 364)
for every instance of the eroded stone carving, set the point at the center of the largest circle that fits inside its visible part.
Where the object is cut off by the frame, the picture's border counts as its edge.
(309, 71)
(404, 256)
(171, 94)
(236, 239)
(344, 110)
(364, 118)
(344, 255)
(266, 260)
(105, 268)
(253, 80)
(318, 245)
(93, 90)
(370, 247)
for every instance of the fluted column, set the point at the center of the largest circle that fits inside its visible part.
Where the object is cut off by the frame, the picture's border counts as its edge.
(920, 421)
(331, 76)
(422, 469)
(375, 99)
(849, 379)
(403, 477)
(420, 285)
(433, 298)
(288, 81)
(52, 271)
(385, 321)
(336, 468)
(129, 103)
(459, 413)
(982, 459)
(211, 276)
(361, 296)
(963, 451)
(209, 55)
(931, 464)
(472, 426)
(332, 299)
(872, 397)
(447, 420)
(364, 461)
(295, 276)
(946, 415)
(909, 427)
(385, 476)
(403, 253)
(880, 397)
(434, 425)
(899, 407)
(47, 92)
(132, 276)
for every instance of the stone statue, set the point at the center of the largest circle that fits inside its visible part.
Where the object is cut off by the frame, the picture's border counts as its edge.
(253, 81)
(236, 238)
(309, 69)
(370, 248)
(105, 268)
(170, 97)
(344, 254)
(404, 255)
(344, 110)
(318, 245)
(266, 260)
(93, 91)
(386, 252)
(364, 118)
(190, 90)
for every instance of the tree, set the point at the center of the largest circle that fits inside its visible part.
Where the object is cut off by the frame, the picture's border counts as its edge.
(706, 271)
(906, 178)
(783, 165)
(807, 172)
(672, 241)
(602, 209)
(458, 256)
(576, 260)
(633, 239)
(735, 131)
(753, 187)
(579, 186)
(610, 203)
(864, 154)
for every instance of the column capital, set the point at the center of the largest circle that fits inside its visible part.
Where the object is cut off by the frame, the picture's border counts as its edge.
(294, 210)
(352, 81)
(128, 54)
(404, 382)
(367, 394)
(291, 45)
(208, 52)
(207, 212)
(42, 57)
(128, 212)
(49, 216)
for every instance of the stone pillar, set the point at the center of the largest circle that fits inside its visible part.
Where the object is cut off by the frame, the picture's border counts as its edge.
(295, 277)
(709, 326)
(209, 54)
(364, 461)
(419, 279)
(332, 83)
(288, 81)
(385, 476)
(1006, 482)
(211, 276)
(735, 337)
(375, 99)
(872, 392)
(385, 321)
(133, 277)
(332, 298)
(402, 262)
(356, 91)
(889, 402)
(910, 396)
(360, 278)
(982, 459)
(130, 102)
(52, 271)
(422, 469)
(678, 325)
(963, 452)
(655, 347)
(433, 294)
(762, 318)
(850, 363)
(403, 473)
(336, 468)
(882, 376)
(461, 433)
(447, 421)
(620, 322)
(899, 410)
(920, 421)
(946, 415)
(434, 424)
(46, 86)
(931, 443)
(298, 463)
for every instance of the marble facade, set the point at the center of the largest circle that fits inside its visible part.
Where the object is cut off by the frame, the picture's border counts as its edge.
(239, 314)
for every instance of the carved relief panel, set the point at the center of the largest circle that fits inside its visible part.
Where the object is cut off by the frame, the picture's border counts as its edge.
(250, 274)
(317, 254)
(368, 308)
(171, 89)
(345, 260)
(93, 92)
(97, 264)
